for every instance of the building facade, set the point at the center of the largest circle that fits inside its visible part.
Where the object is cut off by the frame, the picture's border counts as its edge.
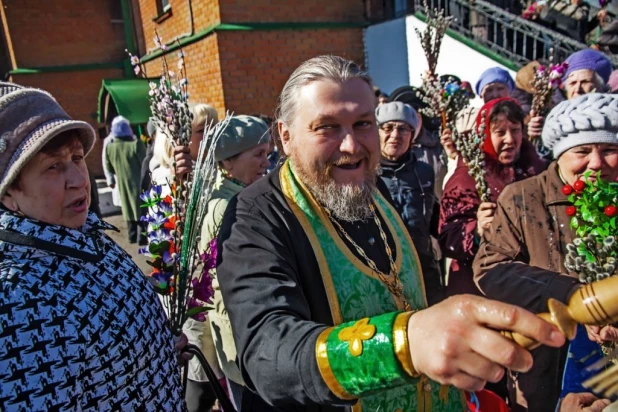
(65, 47)
(239, 53)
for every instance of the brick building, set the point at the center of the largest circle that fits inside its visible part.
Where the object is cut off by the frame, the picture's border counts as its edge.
(238, 52)
(65, 47)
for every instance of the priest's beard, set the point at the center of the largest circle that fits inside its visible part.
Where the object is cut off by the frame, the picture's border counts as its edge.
(347, 202)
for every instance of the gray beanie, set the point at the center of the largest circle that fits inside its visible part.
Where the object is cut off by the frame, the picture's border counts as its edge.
(588, 119)
(29, 119)
(397, 112)
(241, 134)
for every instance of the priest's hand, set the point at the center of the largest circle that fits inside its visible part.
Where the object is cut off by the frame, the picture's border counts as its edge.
(457, 342)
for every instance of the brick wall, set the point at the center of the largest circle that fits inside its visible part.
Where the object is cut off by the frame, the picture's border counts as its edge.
(68, 32)
(256, 64)
(236, 11)
(205, 14)
(64, 32)
(203, 71)
(77, 93)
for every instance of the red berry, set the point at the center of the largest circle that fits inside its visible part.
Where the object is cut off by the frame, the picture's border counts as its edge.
(567, 189)
(570, 210)
(579, 185)
(610, 210)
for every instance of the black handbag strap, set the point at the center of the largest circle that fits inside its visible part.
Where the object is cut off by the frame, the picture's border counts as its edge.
(56, 248)
(224, 401)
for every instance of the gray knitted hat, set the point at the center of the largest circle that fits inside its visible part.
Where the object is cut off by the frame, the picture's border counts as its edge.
(588, 119)
(29, 119)
(397, 112)
(241, 134)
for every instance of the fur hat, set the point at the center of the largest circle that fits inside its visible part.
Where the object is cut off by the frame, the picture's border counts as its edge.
(588, 119)
(524, 78)
(241, 134)
(397, 112)
(29, 119)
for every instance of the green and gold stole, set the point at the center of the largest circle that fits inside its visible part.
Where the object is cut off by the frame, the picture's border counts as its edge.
(365, 355)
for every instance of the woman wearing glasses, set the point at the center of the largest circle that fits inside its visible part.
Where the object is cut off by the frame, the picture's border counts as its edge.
(411, 186)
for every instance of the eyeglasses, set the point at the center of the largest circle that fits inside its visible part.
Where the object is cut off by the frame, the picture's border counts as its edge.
(388, 129)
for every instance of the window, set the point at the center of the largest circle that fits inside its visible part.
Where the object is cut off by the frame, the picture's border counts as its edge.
(164, 10)
(163, 6)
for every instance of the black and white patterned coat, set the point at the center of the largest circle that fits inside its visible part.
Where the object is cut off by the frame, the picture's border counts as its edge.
(80, 327)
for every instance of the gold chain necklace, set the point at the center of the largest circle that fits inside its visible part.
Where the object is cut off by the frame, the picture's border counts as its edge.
(392, 282)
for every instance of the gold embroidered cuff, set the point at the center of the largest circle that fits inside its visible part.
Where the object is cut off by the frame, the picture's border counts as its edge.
(401, 344)
(321, 355)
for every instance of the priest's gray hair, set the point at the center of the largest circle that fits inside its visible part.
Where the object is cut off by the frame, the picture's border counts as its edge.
(325, 67)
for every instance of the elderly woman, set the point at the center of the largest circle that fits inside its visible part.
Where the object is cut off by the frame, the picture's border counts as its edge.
(410, 184)
(521, 257)
(81, 328)
(463, 217)
(587, 72)
(242, 155)
(494, 83)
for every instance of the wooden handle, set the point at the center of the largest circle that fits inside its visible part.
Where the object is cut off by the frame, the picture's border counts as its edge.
(593, 304)
(558, 315)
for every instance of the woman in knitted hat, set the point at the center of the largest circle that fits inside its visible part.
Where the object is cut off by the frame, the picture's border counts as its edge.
(80, 326)
(426, 140)
(242, 154)
(588, 71)
(521, 256)
(463, 217)
(410, 183)
(123, 158)
(494, 83)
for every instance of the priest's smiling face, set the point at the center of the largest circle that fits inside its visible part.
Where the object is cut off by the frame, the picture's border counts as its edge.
(333, 143)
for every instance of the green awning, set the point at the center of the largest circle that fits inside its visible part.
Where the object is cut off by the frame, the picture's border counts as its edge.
(125, 97)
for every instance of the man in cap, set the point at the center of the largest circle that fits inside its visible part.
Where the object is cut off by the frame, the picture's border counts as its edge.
(321, 278)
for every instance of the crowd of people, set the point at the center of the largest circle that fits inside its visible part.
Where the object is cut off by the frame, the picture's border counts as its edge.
(363, 270)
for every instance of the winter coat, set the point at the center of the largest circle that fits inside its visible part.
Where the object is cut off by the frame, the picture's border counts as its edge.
(411, 185)
(427, 148)
(81, 328)
(220, 326)
(123, 157)
(457, 231)
(520, 261)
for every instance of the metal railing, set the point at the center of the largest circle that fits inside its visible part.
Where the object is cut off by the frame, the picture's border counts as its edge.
(510, 36)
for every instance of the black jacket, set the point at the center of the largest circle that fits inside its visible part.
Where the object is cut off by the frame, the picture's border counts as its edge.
(273, 290)
(411, 185)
